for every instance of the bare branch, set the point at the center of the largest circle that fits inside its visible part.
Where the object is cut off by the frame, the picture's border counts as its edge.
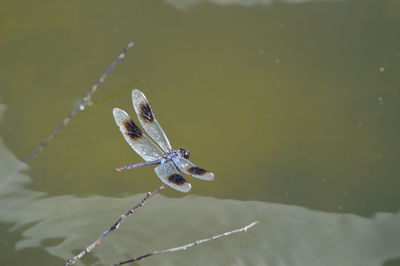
(81, 105)
(113, 227)
(189, 245)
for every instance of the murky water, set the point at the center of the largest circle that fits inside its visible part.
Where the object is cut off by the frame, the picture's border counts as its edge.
(292, 104)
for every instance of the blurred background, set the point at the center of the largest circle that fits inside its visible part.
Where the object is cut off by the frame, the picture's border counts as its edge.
(289, 103)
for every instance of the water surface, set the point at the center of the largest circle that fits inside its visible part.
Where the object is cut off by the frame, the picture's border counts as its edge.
(292, 104)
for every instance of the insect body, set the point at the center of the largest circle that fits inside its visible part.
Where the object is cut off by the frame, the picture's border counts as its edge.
(171, 162)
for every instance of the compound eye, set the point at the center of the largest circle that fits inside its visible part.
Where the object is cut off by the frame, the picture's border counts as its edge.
(185, 153)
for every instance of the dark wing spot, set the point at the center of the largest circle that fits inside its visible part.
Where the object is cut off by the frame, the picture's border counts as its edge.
(146, 113)
(177, 179)
(132, 129)
(197, 170)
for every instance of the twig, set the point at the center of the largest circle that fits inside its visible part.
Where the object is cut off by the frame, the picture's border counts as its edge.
(184, 247)
(113, 227)
(81, 105)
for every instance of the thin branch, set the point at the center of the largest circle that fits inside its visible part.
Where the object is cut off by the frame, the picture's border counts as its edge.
(81, 105)
(189, 245)
(113, 227)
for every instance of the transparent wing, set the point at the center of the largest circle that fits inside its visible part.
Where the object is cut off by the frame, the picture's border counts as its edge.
(189, 168)
(134, 136)
(148, 120)
(169, 175)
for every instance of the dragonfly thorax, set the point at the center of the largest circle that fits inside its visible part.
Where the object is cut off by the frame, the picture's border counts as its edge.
(171, 155)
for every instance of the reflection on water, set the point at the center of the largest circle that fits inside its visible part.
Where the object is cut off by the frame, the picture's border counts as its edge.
(286, 235)
(2, 109)
(183, 4)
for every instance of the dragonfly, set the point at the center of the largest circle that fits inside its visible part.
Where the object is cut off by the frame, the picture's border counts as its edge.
(170, 162)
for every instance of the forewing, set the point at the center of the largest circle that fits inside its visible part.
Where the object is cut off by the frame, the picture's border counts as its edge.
(169, 175)
(135, 137)
(189, 168)
(148, 120)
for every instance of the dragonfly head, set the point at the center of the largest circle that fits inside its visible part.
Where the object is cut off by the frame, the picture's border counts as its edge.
(184, 153)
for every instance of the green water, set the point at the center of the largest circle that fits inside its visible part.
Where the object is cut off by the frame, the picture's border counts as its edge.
(293, 105)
